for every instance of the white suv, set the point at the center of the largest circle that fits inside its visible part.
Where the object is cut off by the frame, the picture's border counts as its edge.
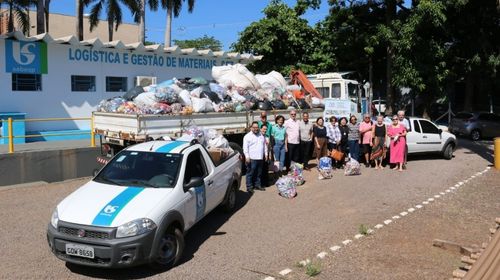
(426, 137)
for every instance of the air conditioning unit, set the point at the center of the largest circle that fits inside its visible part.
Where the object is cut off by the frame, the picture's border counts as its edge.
(145, 81)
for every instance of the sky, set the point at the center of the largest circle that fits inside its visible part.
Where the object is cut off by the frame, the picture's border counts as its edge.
(222, 19)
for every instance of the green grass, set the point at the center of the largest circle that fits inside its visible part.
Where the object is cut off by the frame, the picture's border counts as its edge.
(313, 269)
(363, 229)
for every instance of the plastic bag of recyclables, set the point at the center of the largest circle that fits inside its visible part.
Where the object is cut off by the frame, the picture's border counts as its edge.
(297, 173)
(352, 167)
(325, 168)
(237, 75)
(287, 186)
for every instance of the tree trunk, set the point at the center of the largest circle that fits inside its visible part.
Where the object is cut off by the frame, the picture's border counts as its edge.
(389, 15)
(168, 29)
(47, 14)
(79, 19)
(469, 91)
(142, 22)
(11, 19)
(40, 17)
(110, 30)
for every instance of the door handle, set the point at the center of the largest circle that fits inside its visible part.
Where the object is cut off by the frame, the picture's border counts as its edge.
(424, 136)
(210, 182)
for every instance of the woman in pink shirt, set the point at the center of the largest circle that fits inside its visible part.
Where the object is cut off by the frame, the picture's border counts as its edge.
(365, 130)
(397, 133)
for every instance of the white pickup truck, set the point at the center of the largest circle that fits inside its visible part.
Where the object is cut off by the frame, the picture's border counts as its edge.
(426, 137)
(138, 207)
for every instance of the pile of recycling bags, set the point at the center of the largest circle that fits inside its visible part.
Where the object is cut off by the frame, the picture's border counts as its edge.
(234, 89)
(209, 138)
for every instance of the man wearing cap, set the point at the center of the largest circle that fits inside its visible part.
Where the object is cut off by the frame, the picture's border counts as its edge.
(263, 120)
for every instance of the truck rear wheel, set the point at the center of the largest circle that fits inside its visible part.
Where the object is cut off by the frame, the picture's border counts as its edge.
(170, 249)
(238, 149)
(229, 202)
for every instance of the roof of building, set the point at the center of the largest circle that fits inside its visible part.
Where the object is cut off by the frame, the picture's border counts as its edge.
(119, 45)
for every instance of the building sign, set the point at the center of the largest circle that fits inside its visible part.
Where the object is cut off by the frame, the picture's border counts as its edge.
(338, 108)
(25, 57)
(155, 60)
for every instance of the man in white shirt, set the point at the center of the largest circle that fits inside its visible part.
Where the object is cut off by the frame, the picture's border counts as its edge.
(254, 148)
(292, 140)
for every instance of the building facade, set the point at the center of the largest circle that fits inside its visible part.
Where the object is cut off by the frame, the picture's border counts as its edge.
(48, 77)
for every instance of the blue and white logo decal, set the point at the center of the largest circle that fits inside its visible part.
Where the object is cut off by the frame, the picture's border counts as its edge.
(25, 57)
(201, 200)
(109, 212)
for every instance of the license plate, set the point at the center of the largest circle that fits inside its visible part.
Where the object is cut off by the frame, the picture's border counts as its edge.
(80, 250)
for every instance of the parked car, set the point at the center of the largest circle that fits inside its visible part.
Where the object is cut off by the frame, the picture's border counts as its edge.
(426, 137)
(139, 206)
(476, 125)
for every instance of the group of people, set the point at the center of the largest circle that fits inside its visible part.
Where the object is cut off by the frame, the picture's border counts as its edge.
(292, 140)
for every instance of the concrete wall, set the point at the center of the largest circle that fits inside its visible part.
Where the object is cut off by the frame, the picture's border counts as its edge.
(49, 166)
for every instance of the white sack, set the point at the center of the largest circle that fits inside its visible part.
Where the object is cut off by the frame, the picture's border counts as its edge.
(272, 80)
(146, 98)
(237, 74)
(185, 98)
(202, 105)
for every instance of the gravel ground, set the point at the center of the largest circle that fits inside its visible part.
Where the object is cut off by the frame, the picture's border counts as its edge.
(266, 234)
(404, 250)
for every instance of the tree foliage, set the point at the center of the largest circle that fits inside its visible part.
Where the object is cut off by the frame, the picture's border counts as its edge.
(437, 48)
(283, 38)
(201, 43)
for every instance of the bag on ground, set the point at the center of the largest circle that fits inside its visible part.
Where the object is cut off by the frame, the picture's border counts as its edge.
(287, 186)
(352, 167)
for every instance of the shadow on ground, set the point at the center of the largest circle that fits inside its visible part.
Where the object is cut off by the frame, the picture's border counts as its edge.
(195, 237)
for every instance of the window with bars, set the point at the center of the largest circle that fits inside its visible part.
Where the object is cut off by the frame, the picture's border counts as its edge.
(82, 83)
(114, 84)
(26, 82)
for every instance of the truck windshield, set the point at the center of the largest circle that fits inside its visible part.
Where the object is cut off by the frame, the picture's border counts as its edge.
(141, 169)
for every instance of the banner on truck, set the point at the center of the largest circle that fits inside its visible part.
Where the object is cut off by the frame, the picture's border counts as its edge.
(337, 108)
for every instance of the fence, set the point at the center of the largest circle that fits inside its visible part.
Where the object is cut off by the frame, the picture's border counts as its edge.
(10, 135)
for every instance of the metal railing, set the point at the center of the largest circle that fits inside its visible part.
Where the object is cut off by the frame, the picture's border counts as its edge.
(11, 136)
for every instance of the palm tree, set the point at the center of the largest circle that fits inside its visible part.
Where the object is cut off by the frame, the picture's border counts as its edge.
(173, 7)
(20, 10)
(153, 5)
(40, 17)
(47, 12)
(113, 13)
(80, 5)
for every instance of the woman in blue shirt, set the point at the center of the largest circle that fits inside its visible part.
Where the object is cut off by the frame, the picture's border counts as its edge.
(279, 133)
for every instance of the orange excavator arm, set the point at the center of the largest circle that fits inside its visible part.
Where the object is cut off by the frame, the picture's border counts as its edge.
(298, 77)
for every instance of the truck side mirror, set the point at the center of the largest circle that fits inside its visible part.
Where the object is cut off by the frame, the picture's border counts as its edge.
(440, 131)
(194, 182)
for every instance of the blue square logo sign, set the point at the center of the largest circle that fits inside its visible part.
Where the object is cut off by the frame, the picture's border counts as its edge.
(25, 57)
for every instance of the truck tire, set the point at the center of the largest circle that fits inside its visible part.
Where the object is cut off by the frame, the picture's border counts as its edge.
(238, 149)
(448, 151)
(475, 135)
(169, 249)
(229, 202)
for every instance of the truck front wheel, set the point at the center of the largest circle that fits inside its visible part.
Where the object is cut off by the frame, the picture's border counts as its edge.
(170, 249)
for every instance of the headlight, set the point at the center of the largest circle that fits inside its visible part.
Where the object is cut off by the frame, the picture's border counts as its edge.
(54, 219)
(135, 227)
